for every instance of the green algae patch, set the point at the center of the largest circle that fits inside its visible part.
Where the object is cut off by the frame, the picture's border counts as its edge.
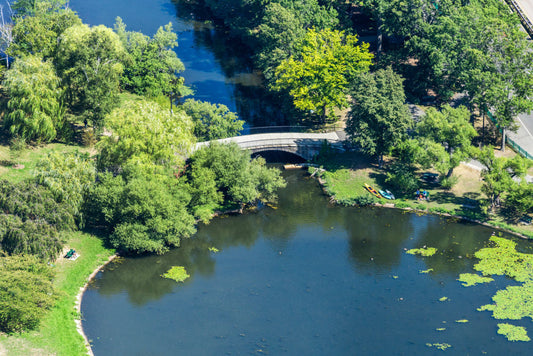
(440, 329)
(214, 249)
(513, 302)
(471, 279)
(426, 271)
(440, 346)
(503, 259)
(513, 332)
(443, 299)
(177, 273)
(423, 251)
(462, 321)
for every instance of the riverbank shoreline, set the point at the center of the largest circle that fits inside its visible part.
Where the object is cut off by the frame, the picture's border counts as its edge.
(323, 184)
(79, 298)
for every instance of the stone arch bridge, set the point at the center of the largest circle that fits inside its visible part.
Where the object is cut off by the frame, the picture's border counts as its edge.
(305, 145)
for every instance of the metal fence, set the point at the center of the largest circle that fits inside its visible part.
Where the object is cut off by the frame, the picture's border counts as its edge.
(515, 146)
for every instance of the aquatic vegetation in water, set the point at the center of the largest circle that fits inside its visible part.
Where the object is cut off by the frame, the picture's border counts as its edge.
(462, 321)
(440, 329)
(513, 302)
(513, 332)
(443, 299)
(471, 279)
(395, 277)
(440, 346)
(177, 273)
(426, 270)
(503, 259)
(214, 249)
(423, 251)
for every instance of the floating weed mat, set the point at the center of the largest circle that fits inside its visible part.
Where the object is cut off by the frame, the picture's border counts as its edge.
(441, 346)
(513, 302)
(177, 273)
(471, 279)
(423, 251)
(513, 332)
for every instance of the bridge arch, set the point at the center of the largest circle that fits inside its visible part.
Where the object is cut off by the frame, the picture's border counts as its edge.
(305, 145)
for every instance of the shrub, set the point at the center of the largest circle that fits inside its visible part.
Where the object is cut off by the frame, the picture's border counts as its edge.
(448, 182)
(402, 177)
(26, 292)
(364, 200)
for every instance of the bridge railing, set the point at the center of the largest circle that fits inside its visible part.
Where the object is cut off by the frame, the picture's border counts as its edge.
(281, 129)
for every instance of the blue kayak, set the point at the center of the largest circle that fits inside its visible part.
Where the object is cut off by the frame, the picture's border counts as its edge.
(387, 194)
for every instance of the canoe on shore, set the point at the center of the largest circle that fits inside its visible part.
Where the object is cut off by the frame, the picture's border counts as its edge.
(387, 194)
(372, 191)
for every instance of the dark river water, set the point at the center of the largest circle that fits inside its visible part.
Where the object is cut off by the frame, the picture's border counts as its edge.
(301, 278)
(216, 67)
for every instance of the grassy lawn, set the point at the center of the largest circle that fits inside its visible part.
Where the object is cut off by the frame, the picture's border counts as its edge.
(19, 167)
(346, 174)
(57, 334)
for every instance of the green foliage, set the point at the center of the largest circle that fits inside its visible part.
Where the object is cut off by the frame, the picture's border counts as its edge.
(35, 111)
(240, 180)
(520, 198)
(513, 332)
(89, 61)
(37, 33)
(145, 212)
(318, 75)
(212, 121)
(471, 279)
(177, 273)
(68, 177)
(441, 346)
(423, 251)
(500, 173)
(152, 66)
(26, 292)
(379, 117)
(30, 201)
(364, 200)
(29, 237)
(145, 133)
(402, 177)
(514, 302)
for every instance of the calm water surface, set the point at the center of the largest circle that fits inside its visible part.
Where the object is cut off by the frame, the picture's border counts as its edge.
(305, 278)
(216, 67)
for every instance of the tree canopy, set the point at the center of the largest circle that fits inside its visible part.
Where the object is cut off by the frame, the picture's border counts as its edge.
(318, 76)
(212, 121)
(35, 106)
(142, 131)
(89, 61)
(379, 117)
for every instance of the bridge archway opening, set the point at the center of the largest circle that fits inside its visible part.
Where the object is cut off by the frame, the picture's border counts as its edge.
(279, 156)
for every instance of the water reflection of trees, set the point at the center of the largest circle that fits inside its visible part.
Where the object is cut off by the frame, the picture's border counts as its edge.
(375, 237)
(253, 102)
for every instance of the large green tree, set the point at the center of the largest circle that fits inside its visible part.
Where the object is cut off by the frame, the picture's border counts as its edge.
(212, 121)
(379, 117)
(35, 111)
(319, 74)
(501, 175)
(26, 292)
(142, 131)
(37, 31)
(451, 130)
(152, 66)
(89, 61)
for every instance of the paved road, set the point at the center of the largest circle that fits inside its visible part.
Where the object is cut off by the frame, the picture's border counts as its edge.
(527, 8)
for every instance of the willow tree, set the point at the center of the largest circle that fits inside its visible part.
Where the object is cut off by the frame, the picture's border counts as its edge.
(142, 132)
(35, 111)
(319, 75)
